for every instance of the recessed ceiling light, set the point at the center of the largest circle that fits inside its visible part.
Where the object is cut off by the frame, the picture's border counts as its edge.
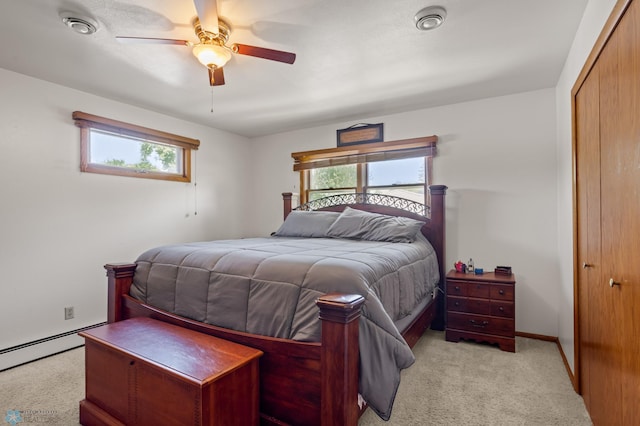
(79, 24)
(430, 17)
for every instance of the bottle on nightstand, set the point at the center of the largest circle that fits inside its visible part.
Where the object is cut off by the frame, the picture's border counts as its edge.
(470, 268)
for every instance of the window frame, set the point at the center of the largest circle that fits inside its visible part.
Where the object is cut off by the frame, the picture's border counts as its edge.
(362, 155)
(88, 122)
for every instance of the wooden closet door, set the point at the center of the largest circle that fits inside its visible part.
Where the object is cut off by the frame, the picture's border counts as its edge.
(606, 338)
(608, 227)
(600, 342)
(620, 198)
(587, 113)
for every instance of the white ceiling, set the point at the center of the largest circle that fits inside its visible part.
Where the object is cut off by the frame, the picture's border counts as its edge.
(355, 58)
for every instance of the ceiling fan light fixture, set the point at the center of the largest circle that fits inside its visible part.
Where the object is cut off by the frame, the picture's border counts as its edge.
(211, 55)
(430, 18)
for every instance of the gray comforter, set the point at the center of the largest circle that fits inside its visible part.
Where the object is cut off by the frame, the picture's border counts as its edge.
(268, 286)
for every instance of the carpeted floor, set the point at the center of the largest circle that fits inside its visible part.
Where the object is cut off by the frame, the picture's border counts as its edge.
(450, 384)
(473, 384)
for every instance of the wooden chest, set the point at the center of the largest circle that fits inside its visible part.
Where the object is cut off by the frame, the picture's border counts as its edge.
(482, 308)
(146, 372)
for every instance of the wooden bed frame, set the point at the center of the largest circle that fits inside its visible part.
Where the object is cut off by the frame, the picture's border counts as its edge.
(300, 382)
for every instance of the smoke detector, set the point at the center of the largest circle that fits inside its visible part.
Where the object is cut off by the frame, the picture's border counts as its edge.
(430, 18)
(80, 24)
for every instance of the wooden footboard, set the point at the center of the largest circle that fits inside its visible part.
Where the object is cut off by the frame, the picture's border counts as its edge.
(299, 381)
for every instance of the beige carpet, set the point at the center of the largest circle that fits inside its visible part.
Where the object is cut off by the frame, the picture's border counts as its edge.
(474, 384)
(450, 384)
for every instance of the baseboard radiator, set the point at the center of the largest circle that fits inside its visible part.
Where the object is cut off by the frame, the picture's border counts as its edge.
(41, 348)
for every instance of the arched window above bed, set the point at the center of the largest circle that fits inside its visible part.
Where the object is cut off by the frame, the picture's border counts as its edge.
(402, 168)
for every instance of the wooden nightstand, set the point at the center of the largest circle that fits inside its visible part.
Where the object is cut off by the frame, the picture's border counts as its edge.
(482, 308)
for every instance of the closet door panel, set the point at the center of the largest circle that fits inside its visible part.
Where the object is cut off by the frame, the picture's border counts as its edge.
(588, 220)
(621, 208)
(605, 317)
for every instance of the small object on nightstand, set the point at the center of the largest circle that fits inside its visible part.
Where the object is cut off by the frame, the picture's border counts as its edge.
(479, 271)
(470, 268)
(502, 270)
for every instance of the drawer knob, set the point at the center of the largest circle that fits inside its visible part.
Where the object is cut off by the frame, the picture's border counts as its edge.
(501, 309)
(501, 292)
(457, 303)
(457, 288)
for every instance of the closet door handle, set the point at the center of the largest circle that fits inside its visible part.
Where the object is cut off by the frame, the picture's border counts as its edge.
(586, 265)
(612, 283)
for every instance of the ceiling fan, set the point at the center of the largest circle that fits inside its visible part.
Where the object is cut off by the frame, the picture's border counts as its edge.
(212, 50)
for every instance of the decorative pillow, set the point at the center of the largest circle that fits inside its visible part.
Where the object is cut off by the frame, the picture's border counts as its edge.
(309, 224)
(358, 224)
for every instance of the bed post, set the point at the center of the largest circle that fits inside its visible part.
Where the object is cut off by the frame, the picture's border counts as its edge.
(120, 277)
(339, 359)
(438, 240)
(286, 199)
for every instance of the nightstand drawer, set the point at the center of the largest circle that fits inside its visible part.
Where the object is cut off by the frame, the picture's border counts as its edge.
(456, 303)
(478, 306)
(457, 289)
(502, 309)
(502, 292)
(478, 290)
(481, 324)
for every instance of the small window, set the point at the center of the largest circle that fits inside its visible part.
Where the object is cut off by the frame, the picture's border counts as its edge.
(117, 148)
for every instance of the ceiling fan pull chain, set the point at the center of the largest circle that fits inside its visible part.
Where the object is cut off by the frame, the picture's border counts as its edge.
(211, 99)
(195, 183)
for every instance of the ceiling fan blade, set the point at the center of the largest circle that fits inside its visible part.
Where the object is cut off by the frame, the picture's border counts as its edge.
(264, 53)
(207, 14)
(216, 77)
(147, 40)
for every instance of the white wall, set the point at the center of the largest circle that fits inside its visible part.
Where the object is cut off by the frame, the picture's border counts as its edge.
(498, 158)
(58, 226)
(594, 18)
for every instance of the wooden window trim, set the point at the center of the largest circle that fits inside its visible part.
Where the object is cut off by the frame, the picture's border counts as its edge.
(86, 122)
(365, 153)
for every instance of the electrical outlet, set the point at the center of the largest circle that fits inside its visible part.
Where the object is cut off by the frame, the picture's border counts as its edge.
(68, 313)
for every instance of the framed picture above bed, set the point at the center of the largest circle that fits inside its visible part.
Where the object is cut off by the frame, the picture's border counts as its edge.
(360, 134)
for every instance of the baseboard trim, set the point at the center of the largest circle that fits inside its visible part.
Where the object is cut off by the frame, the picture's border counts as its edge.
(572, 377)
(537, 336)
(554, 339)
(42, 348)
